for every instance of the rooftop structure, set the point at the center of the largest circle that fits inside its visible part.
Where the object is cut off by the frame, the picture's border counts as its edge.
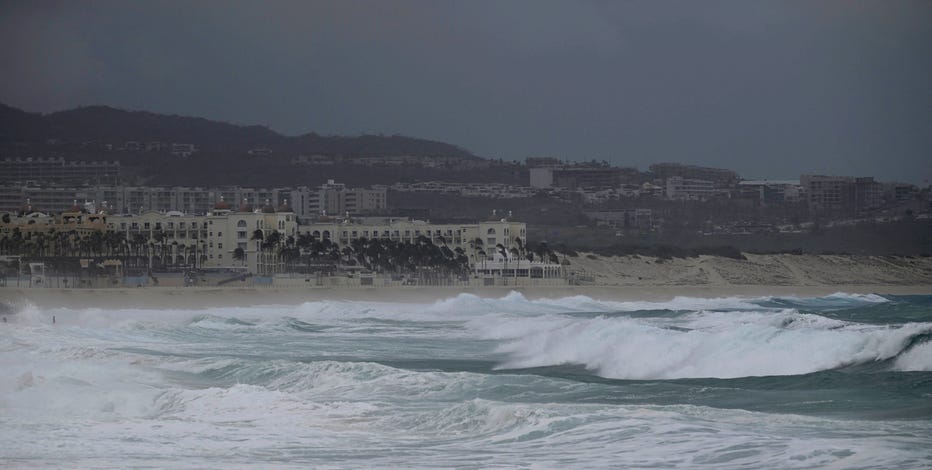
(332, 198)
(718, 176)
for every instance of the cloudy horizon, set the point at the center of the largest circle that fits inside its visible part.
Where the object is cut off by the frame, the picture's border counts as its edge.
(769, 89)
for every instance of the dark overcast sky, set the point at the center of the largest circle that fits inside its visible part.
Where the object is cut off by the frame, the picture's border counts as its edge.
(770, 89)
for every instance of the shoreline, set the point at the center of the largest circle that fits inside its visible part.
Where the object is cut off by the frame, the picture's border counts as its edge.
(198, 298)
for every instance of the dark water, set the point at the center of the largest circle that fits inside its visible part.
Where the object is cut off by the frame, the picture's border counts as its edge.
(843, 381)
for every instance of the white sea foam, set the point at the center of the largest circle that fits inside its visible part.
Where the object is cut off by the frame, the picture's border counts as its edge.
(717, 344)
(301, 386)
(918, 358)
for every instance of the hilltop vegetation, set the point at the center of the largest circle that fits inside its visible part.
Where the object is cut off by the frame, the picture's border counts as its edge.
(103, 124)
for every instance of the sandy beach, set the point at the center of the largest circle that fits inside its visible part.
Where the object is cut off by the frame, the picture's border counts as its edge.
(611, 278)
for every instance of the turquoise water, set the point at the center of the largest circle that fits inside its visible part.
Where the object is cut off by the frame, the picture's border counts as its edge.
(843, 381)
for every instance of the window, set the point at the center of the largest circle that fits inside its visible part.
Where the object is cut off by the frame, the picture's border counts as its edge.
(241, 234)
(145, 225)
(490, 241)
(491, 231)
(219, 234)
(241, 224)
(220, 246)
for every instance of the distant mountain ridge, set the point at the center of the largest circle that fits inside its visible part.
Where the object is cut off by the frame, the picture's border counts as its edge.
(117, 126)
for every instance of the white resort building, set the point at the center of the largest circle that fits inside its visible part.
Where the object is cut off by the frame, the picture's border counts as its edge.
(249, 239)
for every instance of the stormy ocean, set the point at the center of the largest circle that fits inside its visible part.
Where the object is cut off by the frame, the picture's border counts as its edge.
(843, 381)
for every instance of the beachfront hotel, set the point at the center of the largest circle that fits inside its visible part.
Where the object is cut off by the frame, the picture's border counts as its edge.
(250, 240)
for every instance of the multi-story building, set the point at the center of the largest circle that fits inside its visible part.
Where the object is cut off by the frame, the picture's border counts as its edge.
(482, 241)
(57, 170)
(772, 192)
(210, 241)
(580, 176)
(683, 189)
(240, 239)
(720, 177)
(868, 194)
(332, 198)
(828, 193)
(629, 219)
(336, 199)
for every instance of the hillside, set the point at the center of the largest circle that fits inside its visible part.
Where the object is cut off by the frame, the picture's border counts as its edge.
(103, 124)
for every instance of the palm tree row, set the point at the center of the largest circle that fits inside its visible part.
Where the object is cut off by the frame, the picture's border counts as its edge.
(136, 250)
(379, 255)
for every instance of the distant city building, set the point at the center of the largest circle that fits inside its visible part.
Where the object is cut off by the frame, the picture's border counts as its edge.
(484, 190)
(868, 194)
(720, 177)
(628, 219)
(183, 150)
(332, 198)
(580, 176)
(59, 171)
(683, 189)
(543, 162)
(771, 192)
(260, 152)
(541, 177)
(156, 146)
(313, 160)
(829, 193)
(899, 192)
(336, 199)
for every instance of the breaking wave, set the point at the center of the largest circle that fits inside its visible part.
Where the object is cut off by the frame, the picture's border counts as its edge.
(706, 344)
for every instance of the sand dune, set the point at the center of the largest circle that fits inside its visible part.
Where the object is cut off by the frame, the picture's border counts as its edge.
(757, 270)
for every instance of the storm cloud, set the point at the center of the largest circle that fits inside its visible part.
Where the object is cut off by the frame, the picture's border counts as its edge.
(770, 89)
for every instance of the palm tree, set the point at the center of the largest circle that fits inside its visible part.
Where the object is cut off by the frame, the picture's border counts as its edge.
(239, 255)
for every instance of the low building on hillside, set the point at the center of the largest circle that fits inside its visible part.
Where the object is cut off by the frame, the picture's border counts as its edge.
(684, 189)
(718, 176)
